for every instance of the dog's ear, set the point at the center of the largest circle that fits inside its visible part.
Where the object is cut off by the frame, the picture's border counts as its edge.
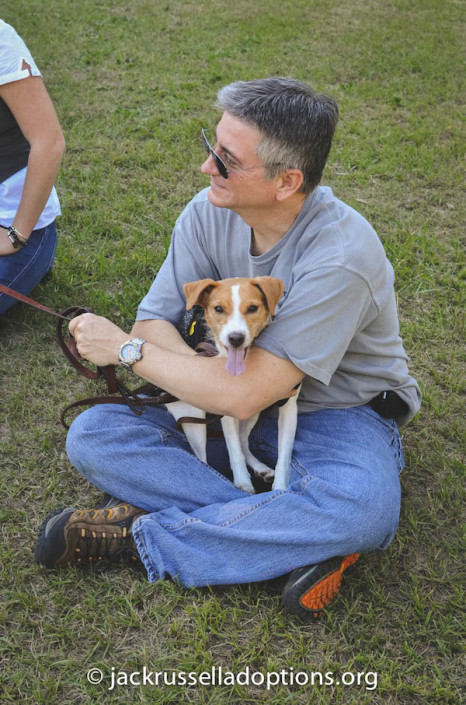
(198, 292)
(272, 290)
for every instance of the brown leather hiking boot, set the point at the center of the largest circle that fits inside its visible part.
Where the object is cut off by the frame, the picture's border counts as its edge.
(72, 536)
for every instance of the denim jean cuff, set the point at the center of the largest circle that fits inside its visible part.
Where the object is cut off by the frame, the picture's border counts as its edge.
(147, 561)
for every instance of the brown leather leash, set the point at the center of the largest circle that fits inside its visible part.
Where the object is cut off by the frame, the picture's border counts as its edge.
(152, 395)
(25, 299)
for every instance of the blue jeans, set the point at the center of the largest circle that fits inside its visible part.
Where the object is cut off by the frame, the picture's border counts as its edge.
(24, 269)
(344, 493)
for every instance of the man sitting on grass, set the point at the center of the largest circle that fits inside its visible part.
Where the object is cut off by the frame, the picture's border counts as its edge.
(335, 330)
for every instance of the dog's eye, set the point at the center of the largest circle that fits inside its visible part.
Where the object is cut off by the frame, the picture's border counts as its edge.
(218, 309)
(253, 308)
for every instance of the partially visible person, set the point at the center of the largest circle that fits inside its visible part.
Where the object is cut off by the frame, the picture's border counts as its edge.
(31, 150)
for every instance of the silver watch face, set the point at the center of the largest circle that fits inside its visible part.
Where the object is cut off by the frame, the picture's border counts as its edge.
(129, 353)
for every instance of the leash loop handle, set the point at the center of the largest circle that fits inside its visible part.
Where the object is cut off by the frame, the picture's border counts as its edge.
(70, 351)
(68, 345)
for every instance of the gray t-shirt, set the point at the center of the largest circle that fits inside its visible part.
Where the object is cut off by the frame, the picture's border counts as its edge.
(337, 319)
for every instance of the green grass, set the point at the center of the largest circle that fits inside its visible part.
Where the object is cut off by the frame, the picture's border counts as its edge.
(133, 82)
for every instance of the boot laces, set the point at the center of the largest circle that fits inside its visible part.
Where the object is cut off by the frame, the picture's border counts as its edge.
(106, 545)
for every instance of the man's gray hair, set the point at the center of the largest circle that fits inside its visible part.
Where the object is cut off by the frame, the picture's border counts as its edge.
(297, 124)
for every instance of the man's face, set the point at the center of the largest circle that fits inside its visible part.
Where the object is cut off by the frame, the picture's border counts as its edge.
(246, 188)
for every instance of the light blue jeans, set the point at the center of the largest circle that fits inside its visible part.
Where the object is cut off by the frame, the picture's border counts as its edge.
(24, 269)
(344, 495)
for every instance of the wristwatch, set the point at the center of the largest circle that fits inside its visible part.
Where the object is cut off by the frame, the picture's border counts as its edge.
(130, 352)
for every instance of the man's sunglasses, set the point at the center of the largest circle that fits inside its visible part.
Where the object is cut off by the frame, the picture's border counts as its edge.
(219, 163)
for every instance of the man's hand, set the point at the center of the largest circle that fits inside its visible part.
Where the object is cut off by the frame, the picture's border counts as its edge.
(97, 339)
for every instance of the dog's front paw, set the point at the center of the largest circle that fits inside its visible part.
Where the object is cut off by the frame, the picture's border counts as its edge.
(259, 468)
(265, 473)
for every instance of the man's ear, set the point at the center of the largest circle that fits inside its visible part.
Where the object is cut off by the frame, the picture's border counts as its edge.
(271, 288)
(198, 292)
(291, 181)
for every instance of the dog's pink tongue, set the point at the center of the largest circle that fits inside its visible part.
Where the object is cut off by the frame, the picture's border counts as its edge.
(235, 361)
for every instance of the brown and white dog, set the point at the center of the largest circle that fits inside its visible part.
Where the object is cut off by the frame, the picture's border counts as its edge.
(236, 310)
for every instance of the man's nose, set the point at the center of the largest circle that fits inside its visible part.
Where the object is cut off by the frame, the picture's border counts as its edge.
(209, 167)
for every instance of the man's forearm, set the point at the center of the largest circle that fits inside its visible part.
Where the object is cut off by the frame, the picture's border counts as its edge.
(198, 380)
(204, 382)
(201, 381)
(163, 334)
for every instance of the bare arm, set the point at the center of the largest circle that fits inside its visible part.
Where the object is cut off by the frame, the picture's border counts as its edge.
(198, 380)
(204, 382)
(163, 334)
(33, 110)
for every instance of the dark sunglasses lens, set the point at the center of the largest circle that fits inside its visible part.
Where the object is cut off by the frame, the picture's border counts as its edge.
(218, 162)
(220, 165)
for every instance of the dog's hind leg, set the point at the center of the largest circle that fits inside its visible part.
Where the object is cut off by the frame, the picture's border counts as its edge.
(196, 433)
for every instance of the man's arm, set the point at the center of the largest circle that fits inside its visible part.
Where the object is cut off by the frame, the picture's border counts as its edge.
(163, 334)
(198, 380)
(205, 383)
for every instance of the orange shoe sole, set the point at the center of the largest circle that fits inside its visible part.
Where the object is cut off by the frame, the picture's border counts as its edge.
(309, 590)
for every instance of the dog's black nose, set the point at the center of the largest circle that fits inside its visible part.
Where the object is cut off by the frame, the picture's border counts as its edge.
(236, 339)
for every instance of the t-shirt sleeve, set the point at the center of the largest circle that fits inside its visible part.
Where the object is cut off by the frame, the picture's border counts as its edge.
(186, 261)
(317, 320)
(16, 61)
